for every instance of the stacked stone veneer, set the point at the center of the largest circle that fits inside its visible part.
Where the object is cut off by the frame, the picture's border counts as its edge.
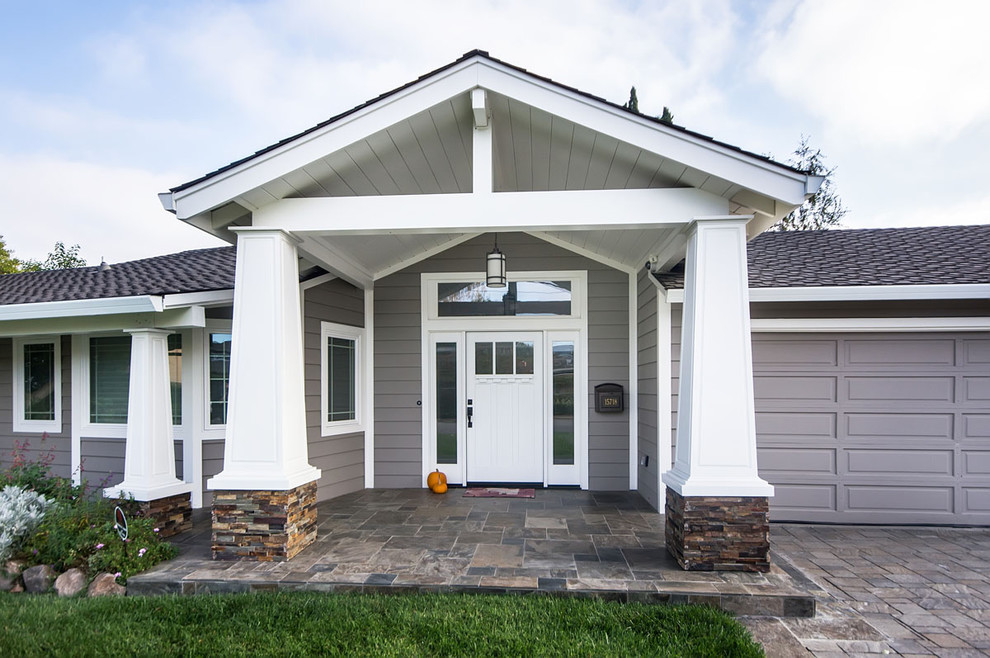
(716, 533)
(172, 515)
(265, 526)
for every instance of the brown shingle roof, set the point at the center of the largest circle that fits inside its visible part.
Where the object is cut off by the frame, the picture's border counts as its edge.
(187, 271)
(931, 255)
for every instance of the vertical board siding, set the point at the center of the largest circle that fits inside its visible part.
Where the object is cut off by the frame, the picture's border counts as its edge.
(398, 373)
(646, 294)
(38, 445)
(339, 458)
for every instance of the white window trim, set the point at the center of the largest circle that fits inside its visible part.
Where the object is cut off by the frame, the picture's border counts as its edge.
(212, 327)
(90, 429)
(346, 332)
(38, 426)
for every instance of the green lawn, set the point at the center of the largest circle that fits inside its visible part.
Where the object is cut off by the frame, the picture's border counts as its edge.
(368, 625)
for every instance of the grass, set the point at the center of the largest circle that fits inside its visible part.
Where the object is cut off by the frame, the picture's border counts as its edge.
(371, 625)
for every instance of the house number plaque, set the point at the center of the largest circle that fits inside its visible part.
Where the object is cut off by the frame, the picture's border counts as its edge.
(609, 398)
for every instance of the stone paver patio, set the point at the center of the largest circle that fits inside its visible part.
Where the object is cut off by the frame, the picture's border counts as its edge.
(563, 542)
(884, 590)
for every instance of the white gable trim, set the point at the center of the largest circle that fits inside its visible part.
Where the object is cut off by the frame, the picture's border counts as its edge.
(763, 177)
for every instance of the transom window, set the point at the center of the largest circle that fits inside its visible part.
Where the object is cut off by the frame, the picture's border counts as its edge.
(474, 299)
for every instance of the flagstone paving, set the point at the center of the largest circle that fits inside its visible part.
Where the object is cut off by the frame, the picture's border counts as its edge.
(564, 542)
(884, 590)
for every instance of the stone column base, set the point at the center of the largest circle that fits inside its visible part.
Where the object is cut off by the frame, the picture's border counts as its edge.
(718, 533)
(263, 526)
(173, 514)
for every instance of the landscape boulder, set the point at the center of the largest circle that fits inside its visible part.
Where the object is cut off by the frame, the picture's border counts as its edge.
(10, 575)
(106, 585)
(39, 579)
(71, 582)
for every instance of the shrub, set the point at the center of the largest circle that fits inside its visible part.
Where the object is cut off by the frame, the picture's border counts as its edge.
(142, 549)
(65, 537)
(21, 511)
(37, 474)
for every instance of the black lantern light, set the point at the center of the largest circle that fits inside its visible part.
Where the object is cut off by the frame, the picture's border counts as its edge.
(496, 267)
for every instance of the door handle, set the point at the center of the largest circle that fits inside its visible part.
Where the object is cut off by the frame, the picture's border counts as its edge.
(470, 413)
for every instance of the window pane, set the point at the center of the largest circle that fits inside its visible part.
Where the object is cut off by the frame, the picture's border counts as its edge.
(447, 403)
(341, 379)
(109, 378)
(175, 375)
(467, 299)
(524, 358)
(219, 377)
(483, 358)
(39, 382)
(503, 358)
(563, 402)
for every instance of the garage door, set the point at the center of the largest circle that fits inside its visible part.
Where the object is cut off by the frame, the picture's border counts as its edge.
(875, 428)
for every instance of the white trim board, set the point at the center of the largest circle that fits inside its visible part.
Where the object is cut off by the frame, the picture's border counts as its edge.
(858, 293)
(818, 325)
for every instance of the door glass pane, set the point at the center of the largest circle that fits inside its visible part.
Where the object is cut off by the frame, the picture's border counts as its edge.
(503, 358)
(39, 382)
(483, 358)
(447, 403)
(563, 402)
(109, 378)
(175, 375)
(524, 358)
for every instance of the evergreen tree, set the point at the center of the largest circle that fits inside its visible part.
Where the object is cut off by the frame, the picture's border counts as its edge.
(824, 209)
(633, 102)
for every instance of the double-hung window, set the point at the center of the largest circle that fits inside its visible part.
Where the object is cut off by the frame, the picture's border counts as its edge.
(37, 385)
(340, 378)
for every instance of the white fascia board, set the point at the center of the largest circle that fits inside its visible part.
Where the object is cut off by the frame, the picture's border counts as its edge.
(845, 325)
(479, 213)
(82, 307)
(745, 170)
(206, 298)
(859, 293)
(176, 318)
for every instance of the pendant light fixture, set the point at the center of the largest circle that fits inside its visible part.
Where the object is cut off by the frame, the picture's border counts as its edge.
(495, 267)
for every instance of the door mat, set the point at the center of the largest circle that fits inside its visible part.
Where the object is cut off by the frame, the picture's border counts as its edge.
(499, 492)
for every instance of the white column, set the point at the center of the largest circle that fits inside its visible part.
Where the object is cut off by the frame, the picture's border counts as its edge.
(716, 422)
(149, 454)
(265, 443)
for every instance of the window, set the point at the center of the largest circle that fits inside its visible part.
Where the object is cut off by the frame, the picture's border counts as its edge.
(109, 378)
(37, 385)
(340, 378)
(519, 298)
(175, 375)
(219, 376)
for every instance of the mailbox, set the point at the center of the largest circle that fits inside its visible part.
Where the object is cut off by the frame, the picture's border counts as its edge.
(609, 399)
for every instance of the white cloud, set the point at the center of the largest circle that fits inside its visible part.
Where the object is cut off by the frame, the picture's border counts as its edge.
(111, 212)
(885, 71)
(965, 211)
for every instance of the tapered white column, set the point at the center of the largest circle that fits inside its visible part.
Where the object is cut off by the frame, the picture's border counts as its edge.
(716, 421)
(149, 454)
(265, 444)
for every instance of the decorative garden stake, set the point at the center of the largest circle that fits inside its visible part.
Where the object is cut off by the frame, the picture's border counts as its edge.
(120, 523)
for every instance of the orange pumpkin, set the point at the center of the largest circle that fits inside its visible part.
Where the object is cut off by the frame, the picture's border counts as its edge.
(435, 478)
(440, 488)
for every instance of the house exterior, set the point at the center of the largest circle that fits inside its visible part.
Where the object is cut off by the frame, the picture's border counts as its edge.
(348, 339)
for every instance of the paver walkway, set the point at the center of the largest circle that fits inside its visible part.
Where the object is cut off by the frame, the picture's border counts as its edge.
(885, 590)
(606, 544)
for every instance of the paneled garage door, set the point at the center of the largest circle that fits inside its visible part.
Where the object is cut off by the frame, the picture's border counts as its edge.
(875, 428)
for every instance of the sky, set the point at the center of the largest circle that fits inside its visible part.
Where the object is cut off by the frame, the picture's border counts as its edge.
(104, 104)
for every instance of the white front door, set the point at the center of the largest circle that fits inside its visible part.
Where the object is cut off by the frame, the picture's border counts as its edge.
(506, 399)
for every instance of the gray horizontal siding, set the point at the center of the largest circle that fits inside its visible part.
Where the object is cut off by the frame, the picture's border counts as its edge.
(398, 376)
(646, 294)
(102, 461)
(339, 458)
(212, 464)
(35, 446)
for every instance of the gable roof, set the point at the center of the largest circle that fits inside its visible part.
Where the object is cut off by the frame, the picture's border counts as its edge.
(932, 255)
(188, 271)
(482, 54)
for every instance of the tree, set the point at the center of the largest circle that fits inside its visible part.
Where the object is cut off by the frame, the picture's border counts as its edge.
(667, 116)
(8, 264)
(824, 209)
(633, 102)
